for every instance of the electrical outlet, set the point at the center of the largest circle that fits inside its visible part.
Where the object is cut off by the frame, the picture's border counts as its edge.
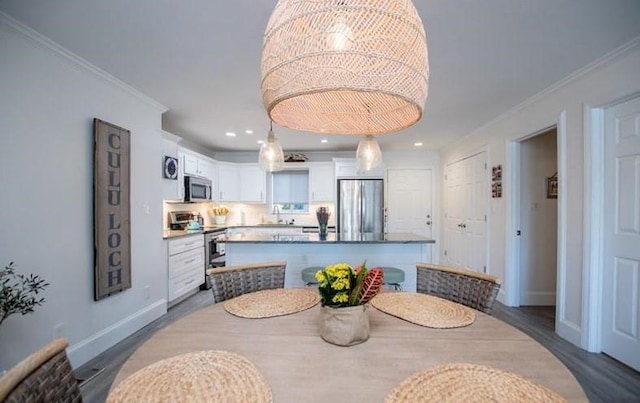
(147, 292)
(58, 330)
(146, 208)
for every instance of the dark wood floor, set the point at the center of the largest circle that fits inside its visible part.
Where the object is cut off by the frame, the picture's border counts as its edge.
(603, 378)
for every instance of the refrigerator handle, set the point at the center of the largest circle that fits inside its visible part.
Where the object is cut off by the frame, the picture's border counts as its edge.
(385, 220)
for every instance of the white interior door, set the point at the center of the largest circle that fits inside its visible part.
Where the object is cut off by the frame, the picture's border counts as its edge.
(410, 201)
(465, 239)
(454, 212)
(621, 294)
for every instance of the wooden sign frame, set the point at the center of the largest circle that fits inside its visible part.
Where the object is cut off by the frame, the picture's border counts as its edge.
(111, 197)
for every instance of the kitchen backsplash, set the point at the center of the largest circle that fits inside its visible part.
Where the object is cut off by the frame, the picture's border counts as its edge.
(246, 214)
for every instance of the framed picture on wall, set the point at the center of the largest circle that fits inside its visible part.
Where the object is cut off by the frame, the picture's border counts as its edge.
(552, 186)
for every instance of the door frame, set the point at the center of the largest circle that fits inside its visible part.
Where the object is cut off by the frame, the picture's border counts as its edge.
(563, 327)
(484, 149)
(593, 241)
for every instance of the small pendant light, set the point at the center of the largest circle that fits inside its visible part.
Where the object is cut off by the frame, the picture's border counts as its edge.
(271, 157)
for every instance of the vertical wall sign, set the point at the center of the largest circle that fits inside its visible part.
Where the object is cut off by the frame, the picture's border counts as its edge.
(112, 238)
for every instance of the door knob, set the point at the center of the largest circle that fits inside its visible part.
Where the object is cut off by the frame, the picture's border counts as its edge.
(463, 225)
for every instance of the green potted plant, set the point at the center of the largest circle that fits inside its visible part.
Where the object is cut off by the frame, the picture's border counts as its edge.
(19, 293)
(344, 293)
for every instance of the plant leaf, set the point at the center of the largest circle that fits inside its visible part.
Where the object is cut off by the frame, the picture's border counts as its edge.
(372, 285)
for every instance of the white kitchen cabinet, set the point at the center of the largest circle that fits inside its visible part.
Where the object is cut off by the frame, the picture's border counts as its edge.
(348, 168)
(186, 265)
(228, 186)
(253, 183)
(196, 166)
(322, 182)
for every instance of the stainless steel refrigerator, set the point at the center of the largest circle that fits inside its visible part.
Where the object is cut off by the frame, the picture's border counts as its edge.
(360, 206)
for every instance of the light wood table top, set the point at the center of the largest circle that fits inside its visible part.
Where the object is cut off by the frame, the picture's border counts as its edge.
(301, 367)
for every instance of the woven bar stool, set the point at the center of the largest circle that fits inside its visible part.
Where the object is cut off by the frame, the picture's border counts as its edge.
(393, 277)
(309, 275)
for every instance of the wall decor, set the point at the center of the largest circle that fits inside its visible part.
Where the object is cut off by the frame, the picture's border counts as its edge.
(295, 157)
(111, 196)
(496, 181)
(552, 186)
(170, 167)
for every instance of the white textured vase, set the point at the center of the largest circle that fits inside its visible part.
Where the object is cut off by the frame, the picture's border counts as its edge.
(346, 326)
(220, 219)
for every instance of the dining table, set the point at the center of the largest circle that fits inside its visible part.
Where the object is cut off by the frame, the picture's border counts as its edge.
(299, 366)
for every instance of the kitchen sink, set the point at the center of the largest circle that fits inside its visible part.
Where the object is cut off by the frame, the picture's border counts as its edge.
(289, 237)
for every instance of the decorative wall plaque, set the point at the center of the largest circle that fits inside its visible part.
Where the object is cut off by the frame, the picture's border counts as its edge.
(111, 190)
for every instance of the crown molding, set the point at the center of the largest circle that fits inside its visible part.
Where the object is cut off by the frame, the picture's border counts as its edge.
(47, 43)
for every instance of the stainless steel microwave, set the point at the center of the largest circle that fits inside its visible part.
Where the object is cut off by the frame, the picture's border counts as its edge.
(197, 189)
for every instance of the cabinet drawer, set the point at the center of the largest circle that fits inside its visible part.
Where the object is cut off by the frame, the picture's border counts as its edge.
(188, 262)
(188, 281)
(185, 243)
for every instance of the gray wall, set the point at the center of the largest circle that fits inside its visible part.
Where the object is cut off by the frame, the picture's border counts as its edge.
(49, 99)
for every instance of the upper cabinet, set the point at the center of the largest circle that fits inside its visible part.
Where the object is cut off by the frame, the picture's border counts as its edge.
(321, 182)
(348, 168)
(228, 186)
(253, 183)
(197, 166)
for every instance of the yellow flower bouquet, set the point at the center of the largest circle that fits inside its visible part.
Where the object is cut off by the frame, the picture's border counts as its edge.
(340, 285)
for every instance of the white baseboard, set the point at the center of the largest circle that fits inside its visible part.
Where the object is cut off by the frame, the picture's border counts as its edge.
(538, 298)
(570, 332)
(81, 352)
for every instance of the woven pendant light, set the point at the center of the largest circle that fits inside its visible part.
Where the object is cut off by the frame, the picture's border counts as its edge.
(345, 66)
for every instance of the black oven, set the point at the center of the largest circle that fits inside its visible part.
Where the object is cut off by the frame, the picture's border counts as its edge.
(213, 253)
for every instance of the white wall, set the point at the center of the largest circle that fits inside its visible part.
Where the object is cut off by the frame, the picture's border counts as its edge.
(49, 99)
(609, 80)
(538, 221)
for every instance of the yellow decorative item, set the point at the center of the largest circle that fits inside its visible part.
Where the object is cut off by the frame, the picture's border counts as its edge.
(343, 294)
(220, 214)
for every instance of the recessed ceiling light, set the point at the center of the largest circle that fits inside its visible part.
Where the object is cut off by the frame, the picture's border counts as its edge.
(230, 134)
(260, 141)
(324, 141)
(249, 131)
(417, 144)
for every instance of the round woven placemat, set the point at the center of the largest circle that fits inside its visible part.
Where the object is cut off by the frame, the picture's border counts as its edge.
(424, 310)
(269, 303)
(469, 383)
(205, 376)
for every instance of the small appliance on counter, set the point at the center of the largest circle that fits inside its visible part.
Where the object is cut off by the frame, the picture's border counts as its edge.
(182, 219)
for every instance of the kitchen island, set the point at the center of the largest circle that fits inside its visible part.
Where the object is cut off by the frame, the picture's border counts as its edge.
(400, 250)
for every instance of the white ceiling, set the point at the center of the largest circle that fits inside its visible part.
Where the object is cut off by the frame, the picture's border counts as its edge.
(201, 59)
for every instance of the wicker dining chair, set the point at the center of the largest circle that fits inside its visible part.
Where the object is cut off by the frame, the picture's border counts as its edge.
(231, 281)
(467, 287)
(44, 376)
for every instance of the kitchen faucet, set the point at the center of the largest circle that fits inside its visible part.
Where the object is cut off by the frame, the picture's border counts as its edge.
(276, 210)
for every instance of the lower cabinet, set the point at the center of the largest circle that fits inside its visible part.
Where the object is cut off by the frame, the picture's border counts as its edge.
(186, 265)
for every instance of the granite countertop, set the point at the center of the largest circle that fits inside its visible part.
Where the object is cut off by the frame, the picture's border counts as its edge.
(168, 234)
(394, 237)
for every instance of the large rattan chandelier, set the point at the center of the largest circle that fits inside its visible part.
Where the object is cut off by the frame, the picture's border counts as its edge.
(345, 66)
